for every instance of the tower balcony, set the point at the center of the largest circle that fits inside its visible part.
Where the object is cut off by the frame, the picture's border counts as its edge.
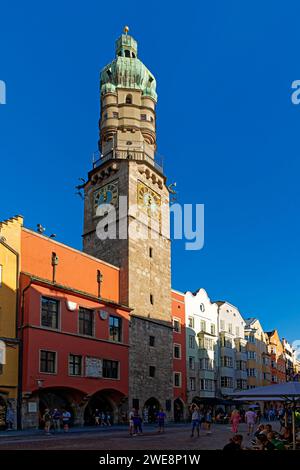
(138, 151)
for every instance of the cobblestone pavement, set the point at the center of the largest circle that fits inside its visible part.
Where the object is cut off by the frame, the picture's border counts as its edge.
(178, 437)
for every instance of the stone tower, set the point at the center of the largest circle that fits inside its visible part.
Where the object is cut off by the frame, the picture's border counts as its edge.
(128, 177)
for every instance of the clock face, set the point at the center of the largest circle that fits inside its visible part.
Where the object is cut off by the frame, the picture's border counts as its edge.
(108, 194)
(148, 200)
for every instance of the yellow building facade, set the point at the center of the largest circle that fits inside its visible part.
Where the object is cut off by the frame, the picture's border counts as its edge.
(10, 240)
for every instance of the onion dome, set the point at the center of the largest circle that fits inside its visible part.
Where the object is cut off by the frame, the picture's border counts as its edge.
(127, 71)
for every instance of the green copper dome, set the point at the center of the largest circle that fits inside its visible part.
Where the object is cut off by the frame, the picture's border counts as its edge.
(127, 71)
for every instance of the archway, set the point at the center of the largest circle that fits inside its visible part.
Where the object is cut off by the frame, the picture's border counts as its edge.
(108, 401)
(151, 407)
(60, 398)
(3, 408)
(178, 410)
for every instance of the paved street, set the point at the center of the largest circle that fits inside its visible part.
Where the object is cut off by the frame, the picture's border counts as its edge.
(175, 437)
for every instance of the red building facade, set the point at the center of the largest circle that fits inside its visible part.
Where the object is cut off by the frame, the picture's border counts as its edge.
(74, 333)
(179, 355)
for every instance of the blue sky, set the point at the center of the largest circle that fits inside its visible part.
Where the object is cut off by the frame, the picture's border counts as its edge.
(226, 127)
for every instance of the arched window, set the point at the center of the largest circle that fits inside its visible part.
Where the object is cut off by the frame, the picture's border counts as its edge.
(127, 53)
(128, 99)
(133, 55)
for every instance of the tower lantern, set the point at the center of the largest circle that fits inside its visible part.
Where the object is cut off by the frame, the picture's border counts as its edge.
(128, 99)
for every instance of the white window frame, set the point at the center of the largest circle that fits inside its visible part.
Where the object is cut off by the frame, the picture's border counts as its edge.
(175, 373)
(179, 347)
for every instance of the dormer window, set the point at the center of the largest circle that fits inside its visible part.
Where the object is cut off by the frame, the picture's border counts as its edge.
(128, 99)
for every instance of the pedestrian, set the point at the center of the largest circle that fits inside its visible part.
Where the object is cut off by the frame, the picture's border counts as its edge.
(56, 417)
(235, 421)
(271, 414)
(145, 414)
(208, 421)
(102, 419)
(97, 417)
(137, 423)
(250, 417)
(161, 416)
(131, 422)
(108, 419)
(10, 418)
(66, 417)
(47, 421)
(195, 419)
(258, 416)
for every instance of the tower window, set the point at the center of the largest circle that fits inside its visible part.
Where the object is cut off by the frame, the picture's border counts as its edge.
(115, 115)
(143, 117)
(151, 299)
(150, 252)
(133, 55)
(127, 53)
(151, 371)
(152, 341)
(128, 99)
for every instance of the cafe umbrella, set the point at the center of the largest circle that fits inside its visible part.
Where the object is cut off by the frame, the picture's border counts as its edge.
(288, 392)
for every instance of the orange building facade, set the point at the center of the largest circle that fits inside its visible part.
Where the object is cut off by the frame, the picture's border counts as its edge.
(276, 351)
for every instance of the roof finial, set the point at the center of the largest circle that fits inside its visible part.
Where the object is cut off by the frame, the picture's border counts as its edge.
(126, 29)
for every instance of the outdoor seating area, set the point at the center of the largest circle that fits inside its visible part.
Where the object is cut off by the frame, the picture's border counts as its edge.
(288, 394)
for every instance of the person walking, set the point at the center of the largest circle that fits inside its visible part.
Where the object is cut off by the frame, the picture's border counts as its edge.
(10, 418)
(208, 421)
(161, 416)
(97, 417)
(56, 417)
(137, 422)
(250, 418)
(195, 419)
(235, 421)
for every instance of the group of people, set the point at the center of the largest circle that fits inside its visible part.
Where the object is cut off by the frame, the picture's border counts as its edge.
(136, 421)
(102, 418)
(200, 417)
(250, 417)
(56, 419)
(264, 438)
